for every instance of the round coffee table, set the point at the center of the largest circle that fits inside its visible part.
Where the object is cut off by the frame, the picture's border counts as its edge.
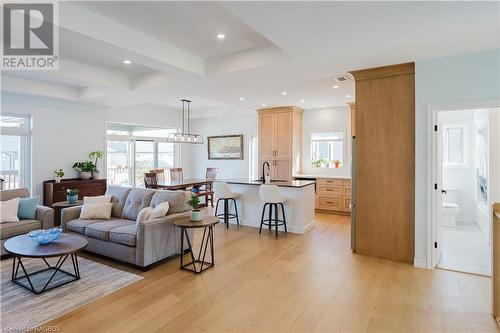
(65, 246)
(207, 223)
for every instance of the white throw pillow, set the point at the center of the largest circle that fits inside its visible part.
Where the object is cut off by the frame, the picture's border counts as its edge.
(96, 211)
(8, 210)
(97, 199)
(144, 214)
(160, 210)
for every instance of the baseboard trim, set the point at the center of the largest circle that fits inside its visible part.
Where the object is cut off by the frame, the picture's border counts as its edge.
(419, 263)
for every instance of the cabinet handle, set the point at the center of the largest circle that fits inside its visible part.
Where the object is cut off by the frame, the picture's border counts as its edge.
(329, 202)
(329, 189)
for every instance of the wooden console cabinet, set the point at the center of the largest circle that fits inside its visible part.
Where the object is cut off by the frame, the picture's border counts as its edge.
(54, 192)
(333, 195)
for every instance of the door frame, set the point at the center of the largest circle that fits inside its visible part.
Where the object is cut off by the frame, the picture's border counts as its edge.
(432, 112)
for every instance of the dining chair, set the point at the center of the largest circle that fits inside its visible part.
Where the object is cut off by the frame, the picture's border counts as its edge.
(207, 190)
(150, 180)
(160, 175)
(176, 174)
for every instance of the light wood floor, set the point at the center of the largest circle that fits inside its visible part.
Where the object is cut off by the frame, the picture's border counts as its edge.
(296, 283)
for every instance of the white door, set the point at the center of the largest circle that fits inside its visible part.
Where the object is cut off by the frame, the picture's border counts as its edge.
(437, 243)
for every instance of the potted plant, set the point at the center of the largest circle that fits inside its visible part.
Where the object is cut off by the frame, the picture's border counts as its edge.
(194, 202)
(95, 156)
(85, 169)
(337, 164)
(72, 195)
(59, 174)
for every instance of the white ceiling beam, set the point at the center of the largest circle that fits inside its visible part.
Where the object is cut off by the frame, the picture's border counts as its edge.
(148, 51)
(146, 81)
(18, 85)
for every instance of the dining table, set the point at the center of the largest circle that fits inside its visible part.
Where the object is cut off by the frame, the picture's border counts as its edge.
(183, 184)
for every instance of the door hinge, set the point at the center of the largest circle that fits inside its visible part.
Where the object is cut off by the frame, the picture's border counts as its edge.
(435, 245)
(435, 186)
(435, 128)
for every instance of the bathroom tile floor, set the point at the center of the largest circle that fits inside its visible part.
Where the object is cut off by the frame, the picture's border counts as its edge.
(466, 249)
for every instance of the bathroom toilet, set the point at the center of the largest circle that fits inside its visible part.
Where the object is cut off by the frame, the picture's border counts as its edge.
(451, 208)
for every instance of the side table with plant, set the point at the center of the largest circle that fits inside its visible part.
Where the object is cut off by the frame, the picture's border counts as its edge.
(72, 195)
(194, 202)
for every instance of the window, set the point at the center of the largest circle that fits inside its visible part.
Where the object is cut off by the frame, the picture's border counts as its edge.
(327, 149)
(133, 150)
(15, 149)
(454, 146)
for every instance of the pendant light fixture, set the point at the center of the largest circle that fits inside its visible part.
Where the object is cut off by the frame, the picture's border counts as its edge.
(185, 136)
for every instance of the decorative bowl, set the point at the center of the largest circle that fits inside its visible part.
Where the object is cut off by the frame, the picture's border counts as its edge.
(45, 236)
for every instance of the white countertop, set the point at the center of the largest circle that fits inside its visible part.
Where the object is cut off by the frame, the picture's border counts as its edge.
(322, 176)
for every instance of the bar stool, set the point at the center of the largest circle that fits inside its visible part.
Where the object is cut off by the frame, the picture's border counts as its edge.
(224, 193)
(271, 196)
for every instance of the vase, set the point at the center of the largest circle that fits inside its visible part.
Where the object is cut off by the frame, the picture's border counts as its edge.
(95, 174)
(57, 179)
(196, 215)
(85, 175)
(72, 198)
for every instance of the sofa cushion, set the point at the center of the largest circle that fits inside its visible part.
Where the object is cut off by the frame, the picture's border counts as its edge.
(101, 230)
(11, 194)
(118, 197)
(137, 199)
(11, 229)
(124, 235)
(79, 225)
(176, 199)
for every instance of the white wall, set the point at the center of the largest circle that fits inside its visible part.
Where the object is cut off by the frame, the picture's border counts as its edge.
(326, 119)
(196, 163)
(462, 178)
(66, 132)
(459, 79)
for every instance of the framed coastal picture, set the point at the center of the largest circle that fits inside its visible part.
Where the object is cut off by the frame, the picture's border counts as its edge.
(225, 147)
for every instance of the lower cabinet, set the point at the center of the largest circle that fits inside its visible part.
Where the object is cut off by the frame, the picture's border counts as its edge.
(333, 195)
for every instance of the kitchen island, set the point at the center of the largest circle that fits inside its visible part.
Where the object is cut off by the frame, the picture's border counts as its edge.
(299, 207)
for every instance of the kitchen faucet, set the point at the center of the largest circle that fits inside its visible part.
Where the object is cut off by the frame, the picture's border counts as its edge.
(263, 169)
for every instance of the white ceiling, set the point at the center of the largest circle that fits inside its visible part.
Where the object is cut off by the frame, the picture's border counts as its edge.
(270, 47)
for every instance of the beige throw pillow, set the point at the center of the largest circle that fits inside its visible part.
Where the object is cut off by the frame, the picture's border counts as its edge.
(144, 214)
(160, 210)
(96, 211)
(97, 199)
(8, 210)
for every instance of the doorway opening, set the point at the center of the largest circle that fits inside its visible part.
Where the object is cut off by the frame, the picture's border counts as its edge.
(465, 172)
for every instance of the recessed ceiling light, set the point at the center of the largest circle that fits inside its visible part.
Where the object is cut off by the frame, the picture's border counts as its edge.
(322, 106)
(127, 62)
(335, 86)
(284, 93)
(348, 96)
(221, 36)
(264, 104)
(242, 98)
(302, 100)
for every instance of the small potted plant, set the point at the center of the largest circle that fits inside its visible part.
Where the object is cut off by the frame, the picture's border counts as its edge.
(59, 174)
(85, 169)
(194, 202)
(337, 164)
(72, 195)
(95, 156)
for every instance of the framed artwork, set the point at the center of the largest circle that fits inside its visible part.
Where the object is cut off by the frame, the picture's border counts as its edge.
(225, 147)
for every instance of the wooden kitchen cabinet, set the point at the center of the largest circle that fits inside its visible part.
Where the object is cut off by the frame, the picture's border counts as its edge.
(333, 195)
(280, 141)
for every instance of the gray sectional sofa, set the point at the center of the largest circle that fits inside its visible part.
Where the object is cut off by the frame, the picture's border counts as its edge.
(141, 244)
(44, 218)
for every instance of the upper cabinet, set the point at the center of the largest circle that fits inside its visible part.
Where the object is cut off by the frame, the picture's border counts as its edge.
(280, 139)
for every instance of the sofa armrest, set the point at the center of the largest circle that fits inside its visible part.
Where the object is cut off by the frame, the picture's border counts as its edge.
(158, 239)
(46, 216)
(69, 214)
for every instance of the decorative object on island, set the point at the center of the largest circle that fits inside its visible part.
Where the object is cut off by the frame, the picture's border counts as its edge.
(72, 195)
(95, 156)
(85, 168)
(225, 147)
(45, 236)
(194, 202)
(59, 174)
(280, 141)
(185, 136)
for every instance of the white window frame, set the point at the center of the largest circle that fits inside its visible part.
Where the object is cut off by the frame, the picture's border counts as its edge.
(132, 139)
(344, 146)
(465, 145)
(25, 171)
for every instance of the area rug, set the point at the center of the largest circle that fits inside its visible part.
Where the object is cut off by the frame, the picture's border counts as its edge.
(21, 310)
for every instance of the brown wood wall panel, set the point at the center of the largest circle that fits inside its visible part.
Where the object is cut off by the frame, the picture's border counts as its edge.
(385, 162)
